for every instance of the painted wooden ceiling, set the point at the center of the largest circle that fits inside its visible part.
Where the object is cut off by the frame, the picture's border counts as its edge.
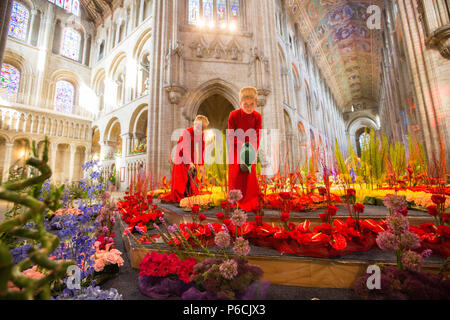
(345, 49)
(97, 9)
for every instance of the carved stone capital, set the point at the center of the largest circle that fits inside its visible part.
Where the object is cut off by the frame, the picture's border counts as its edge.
(440, 40)
(175, 92)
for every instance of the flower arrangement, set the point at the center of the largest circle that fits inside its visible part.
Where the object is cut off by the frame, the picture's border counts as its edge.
(139, 149)
(68, 211)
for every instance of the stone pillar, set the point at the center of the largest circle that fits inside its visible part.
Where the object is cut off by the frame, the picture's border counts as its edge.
(7, 162)
(125, 144)
(141, 10)
(85, 50)
(54, 149)
(73, 149)
(32, 21)
(5, 14)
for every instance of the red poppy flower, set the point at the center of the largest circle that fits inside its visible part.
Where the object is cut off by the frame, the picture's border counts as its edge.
(437, 198)
(220, 215)
(332, 210)
(432, 210)
(202, 217)
(258, 220)
(351, 192)
(284, 216)
(322, 191)
(359, 207)
(195, 209)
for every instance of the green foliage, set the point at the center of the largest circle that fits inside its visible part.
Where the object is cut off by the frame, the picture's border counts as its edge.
(43, 243)
(373, 158)
(397, 158)
(342, 166)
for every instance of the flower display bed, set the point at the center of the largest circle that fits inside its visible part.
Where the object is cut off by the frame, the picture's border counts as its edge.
(287, 269)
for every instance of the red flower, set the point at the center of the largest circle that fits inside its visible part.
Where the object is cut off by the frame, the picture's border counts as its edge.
(445, 217)
(437, 198)
(227, 222)
(258, 220)
(403, 211)
(220, 215)
(224, 204)
(323, 217)
(284, 216)
(285, 195)
(432, 210)
(332, 210)
(195, 209)
(359, 207)
(351, 192)
(322, 191)
(338, 242)
(202, 217)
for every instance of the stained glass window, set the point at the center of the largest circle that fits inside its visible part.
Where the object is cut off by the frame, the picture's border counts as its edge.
(71, 44)
(194, 11)
(208, 10)
(72, 6)
(221, 11)
(364, 140)
(64, 96)
(18, 22)
(234, 10)
(9, 82)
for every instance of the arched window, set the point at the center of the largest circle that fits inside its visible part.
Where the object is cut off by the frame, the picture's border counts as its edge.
(9, 82)
(70, 47)
(194, 11)
(64, 96)
(364, 140)
(18, 23)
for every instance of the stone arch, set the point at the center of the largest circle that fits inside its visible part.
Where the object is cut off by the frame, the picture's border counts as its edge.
(206, 90)
(356, 127)
(18, 61)
(141, 42)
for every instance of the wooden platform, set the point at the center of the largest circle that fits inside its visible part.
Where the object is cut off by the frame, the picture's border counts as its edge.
(293, 270)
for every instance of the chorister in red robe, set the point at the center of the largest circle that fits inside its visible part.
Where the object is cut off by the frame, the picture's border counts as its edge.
(182, 185)
(237, 179)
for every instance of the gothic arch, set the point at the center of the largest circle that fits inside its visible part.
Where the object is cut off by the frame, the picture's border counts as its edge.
(140, 43)
(206, 90)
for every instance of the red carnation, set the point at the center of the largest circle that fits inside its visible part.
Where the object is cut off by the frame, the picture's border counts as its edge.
(359, 207)
(202, 217)
(351, 192)
(403, 211)
(220, 215)
(432, 210)
(322, 191)
(227, 222)
(284, 216)
(258, 220)
(224, 204)
(195, 209)
(332, 210)
(437, 198)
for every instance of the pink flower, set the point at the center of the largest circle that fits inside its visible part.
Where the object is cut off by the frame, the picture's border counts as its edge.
(235, 196)
(228, 269)
(99, 265)
(222, 239)
(387, 241)
(395, 202)
(241, 247)
(238, 218)
(412, 261)
(397, 223)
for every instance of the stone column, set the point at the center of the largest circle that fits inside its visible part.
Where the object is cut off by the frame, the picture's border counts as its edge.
(31, 30)
(54, 149)
(5, 14)
(7, 162)
(85, 51)
(73, 149)
(141, 10)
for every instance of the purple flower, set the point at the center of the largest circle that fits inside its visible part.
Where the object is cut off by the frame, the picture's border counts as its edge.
(241, 247)
(139, 229)
(409, 241)
(238, 217)
(235, 195)
(222, 239)
(105, 229)
(387, 241)
(427, 253)
(397, 223)
(113, 220)
(412, 260)
(156, 226)
(173, 228)
(395, 202)
(229, 269)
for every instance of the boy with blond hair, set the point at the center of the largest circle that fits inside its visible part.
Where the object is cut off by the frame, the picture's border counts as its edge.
(243, 135)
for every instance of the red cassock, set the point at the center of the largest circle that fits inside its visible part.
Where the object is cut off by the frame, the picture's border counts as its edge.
(185, 154)
(238, 180)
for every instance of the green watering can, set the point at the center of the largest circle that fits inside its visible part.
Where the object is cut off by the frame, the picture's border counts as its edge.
(248, 157)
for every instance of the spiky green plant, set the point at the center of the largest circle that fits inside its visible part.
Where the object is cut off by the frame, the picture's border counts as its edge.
(43, 243)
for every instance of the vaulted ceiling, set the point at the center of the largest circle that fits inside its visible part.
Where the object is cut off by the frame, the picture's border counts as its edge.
(345, 49)
(97, 9)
